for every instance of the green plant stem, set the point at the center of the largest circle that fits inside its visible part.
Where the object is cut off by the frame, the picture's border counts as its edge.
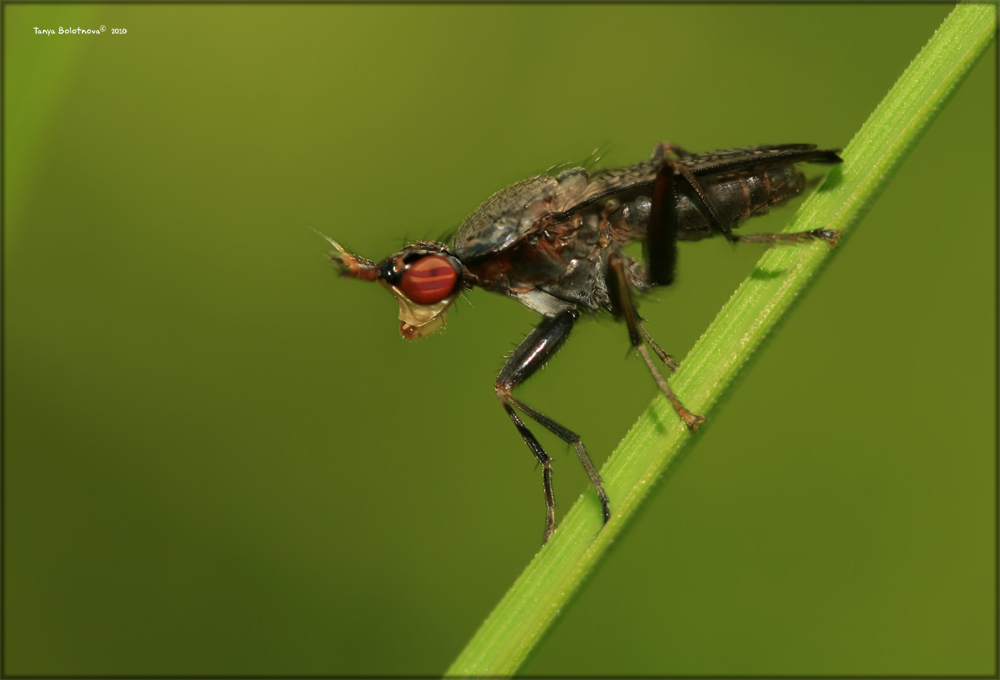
(518, 622)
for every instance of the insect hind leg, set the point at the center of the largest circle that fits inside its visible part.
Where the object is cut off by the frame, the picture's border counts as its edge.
(663, 149)
(831, 236)
(661, 235)
(663, 229)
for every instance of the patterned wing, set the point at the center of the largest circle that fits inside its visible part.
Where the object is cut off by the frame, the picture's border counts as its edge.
(511, 213)
(726, 160)
(631, 177)
(620, 180)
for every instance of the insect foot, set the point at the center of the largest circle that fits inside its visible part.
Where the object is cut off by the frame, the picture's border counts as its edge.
(692, 420)
(831, 236)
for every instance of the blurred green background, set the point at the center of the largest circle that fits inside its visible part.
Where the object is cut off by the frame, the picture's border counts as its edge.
(220, 458)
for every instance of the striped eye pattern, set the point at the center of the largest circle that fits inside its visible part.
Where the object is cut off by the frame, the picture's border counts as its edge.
(429, 280)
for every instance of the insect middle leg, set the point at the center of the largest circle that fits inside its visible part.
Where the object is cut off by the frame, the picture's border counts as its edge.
(624, 306)
(661, 256)
(537, 348)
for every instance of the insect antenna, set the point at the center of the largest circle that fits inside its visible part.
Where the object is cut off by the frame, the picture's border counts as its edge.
(323, 236)
(350, 265)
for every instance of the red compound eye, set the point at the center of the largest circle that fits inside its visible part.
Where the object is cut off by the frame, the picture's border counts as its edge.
(429, 280)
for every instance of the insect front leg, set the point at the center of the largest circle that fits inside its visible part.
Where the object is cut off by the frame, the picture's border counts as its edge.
(624, 306)
(537, 348)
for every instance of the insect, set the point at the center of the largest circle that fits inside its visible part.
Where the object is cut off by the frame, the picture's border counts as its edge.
(554, 242)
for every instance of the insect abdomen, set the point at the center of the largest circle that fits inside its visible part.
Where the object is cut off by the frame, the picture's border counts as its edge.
(742, 196)
(737, 197)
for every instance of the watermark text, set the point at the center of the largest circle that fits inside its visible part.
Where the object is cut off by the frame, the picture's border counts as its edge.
(69, 30)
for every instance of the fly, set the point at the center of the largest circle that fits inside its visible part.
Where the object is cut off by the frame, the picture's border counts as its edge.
(555, 244)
